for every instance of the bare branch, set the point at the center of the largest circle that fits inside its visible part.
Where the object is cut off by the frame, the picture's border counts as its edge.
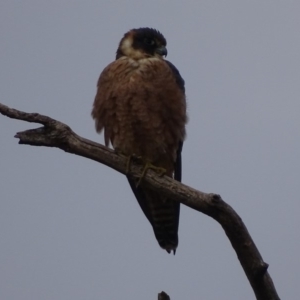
(57, 134)
(163, 296)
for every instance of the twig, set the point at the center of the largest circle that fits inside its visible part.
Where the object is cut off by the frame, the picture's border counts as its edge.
(163, 296)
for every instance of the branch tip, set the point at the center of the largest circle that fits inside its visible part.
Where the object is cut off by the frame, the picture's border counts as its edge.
(163, 296)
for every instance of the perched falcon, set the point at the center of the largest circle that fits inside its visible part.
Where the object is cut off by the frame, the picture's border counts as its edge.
(140, 104)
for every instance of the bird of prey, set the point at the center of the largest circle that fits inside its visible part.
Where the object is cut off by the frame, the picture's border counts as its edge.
(140, 103)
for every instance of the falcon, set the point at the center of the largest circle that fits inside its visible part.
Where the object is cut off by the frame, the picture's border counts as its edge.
(141, 106)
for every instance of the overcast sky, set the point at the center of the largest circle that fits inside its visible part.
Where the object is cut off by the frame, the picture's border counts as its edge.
(70, 228)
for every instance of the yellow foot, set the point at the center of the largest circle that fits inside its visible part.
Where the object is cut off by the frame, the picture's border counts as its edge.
(160, 171)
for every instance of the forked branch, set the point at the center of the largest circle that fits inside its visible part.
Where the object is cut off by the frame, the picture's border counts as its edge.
(56, 134)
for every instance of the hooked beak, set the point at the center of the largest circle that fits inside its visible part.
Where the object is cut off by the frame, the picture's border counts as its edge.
(162, 51)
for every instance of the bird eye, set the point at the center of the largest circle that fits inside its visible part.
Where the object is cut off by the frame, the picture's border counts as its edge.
(149, 42)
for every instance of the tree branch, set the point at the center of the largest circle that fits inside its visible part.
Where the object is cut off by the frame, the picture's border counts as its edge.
(56, 134)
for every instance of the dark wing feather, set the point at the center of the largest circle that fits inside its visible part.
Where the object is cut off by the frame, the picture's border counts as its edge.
(180, 83)
(177, 176)
(177, 169)
(139, 194)
(179, 79)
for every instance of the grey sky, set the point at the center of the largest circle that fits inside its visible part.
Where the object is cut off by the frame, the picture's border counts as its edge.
(71, 229)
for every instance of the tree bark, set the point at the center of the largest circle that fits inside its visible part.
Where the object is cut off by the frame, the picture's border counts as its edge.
(56, 134)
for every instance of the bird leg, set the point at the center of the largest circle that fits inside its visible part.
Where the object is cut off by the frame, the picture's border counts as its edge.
(160, 171)
(129, 160)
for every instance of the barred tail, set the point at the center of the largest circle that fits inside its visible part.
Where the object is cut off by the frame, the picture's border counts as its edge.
(165, 218)
(162, 213)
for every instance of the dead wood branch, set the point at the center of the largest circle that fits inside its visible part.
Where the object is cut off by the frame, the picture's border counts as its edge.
(163, 296)
(56, 134)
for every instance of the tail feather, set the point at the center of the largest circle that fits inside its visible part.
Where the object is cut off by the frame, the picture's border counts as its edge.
(164, 221)
(162, 213)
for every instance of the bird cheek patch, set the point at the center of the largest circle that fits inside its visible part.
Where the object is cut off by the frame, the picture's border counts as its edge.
(126, 46)
(129, 51)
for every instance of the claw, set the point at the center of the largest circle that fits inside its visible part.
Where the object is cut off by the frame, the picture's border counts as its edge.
(160, 171)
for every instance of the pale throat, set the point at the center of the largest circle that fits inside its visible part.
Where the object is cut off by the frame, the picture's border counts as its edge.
(129, 51)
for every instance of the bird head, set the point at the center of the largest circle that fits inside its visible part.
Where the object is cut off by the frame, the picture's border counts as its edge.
(142, 43)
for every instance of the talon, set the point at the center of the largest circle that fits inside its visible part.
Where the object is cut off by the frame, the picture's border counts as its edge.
(160, 171)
